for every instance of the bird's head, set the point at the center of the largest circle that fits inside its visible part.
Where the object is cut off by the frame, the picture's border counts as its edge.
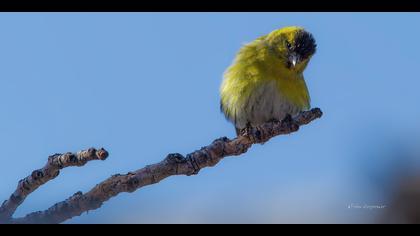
(293, 45)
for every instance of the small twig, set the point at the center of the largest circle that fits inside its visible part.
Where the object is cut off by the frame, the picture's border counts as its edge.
(173, 164)
(50, 171)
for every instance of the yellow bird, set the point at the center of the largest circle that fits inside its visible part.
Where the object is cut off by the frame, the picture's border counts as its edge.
(265, 82)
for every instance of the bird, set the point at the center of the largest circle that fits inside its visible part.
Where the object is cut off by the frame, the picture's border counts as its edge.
(265, 81)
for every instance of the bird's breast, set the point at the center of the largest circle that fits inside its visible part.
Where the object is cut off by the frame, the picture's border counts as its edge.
(266, 102)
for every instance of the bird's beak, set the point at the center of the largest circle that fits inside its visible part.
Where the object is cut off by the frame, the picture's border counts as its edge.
(293, 59)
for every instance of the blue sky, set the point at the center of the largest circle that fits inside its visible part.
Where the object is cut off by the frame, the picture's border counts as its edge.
(143, 85)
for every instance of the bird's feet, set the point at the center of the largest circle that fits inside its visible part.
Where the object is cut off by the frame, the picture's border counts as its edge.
(245, 131)
(254, 133)
(288, 118)
(274, 120)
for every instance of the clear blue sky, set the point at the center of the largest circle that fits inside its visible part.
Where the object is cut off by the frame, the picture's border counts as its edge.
(143, 85)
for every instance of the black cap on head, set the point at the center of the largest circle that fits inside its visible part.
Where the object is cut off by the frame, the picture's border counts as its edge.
(304, 44)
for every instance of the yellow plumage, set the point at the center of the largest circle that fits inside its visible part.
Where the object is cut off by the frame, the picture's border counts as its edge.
(265, 81)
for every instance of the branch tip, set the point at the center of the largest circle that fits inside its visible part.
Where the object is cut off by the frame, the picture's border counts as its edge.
(102, 154)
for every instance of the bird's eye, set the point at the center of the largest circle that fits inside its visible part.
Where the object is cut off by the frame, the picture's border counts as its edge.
(288, 44)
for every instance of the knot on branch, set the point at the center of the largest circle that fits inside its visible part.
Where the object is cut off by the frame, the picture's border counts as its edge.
(132, 183)
(37, 174)
(75, 200)
(102, 154)
(178, 164)
(217, 147)
(175, 158)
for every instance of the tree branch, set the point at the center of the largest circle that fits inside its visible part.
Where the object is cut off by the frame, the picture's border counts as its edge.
(173, 164)
(50, 171)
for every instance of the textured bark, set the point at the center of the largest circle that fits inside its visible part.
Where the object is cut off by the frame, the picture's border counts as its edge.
(50, 171)
(173, 164)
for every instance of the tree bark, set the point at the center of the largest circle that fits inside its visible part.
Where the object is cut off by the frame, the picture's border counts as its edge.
(173, 164)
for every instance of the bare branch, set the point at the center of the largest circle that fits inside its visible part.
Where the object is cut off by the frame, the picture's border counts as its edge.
(173, 164)
(50, 171)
